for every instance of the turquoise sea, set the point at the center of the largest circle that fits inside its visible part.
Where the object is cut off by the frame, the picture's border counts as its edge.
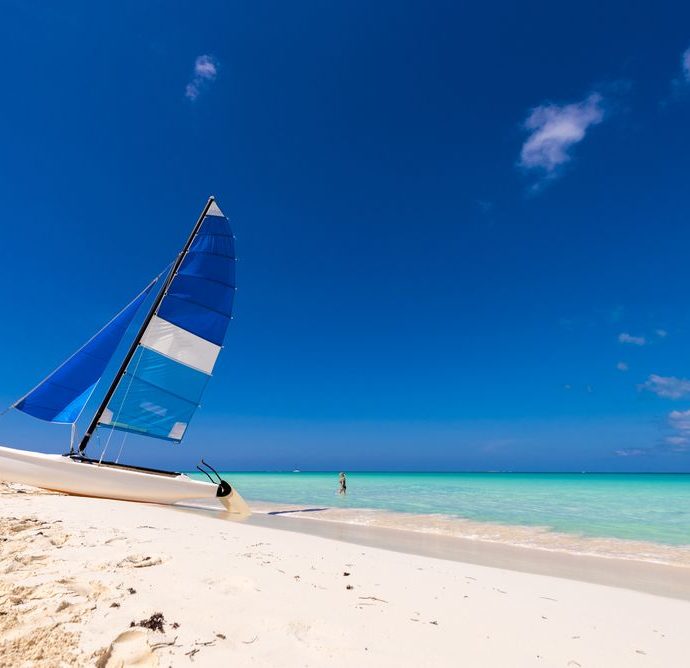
(649, 507)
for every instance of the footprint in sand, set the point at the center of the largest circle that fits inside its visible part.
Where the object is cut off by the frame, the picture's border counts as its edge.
(299, 630)
(130, 648)
(233, 584)
(59, 539)
(21, 562)
(139, 561)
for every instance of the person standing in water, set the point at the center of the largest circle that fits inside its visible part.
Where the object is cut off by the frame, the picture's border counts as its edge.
(342, 483)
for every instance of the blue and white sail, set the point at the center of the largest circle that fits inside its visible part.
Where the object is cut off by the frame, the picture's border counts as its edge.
(174, 359)
(61, 397)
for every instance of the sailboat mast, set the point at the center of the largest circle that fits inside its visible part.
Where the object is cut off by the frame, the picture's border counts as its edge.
(152, 311)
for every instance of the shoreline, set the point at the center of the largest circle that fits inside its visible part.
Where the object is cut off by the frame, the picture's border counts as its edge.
(517, 536)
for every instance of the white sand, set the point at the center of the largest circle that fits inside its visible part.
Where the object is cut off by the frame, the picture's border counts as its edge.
(247, 595)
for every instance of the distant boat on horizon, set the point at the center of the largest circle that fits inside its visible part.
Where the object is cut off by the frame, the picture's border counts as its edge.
(158, 385)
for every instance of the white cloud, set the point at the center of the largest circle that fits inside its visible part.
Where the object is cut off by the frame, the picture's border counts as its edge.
(624, 337)
(555, 129)
(686, 65)
(680, 420)
(622, 366)
(669, 387)
(661, 333)
(676, 440)
(205, 67)
(205, 71)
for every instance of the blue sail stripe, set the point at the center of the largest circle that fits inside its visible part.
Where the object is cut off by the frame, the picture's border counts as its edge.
(166, 390)
(165, 373)
(214, 243)
(195, 318)
(210, 294)
(209, 266)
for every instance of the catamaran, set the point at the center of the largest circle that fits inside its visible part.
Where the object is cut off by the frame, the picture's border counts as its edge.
(156, 389)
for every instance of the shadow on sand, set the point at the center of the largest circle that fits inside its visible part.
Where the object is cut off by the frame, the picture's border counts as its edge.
(299, 510)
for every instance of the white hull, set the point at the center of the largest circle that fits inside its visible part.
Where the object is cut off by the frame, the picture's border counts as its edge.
(62, 474)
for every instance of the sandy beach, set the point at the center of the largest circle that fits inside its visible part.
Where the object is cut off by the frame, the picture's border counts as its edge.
(91, 582)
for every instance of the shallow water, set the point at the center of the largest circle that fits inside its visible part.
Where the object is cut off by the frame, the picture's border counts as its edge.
(644, 507)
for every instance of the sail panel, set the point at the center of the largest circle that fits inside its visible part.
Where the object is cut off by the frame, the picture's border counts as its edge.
(163, 372)
(64, 393)
(164, 380)
(205, 292)
(217, 244)
(140, 407)
(193, 317)
(215, 224)
(210, 266)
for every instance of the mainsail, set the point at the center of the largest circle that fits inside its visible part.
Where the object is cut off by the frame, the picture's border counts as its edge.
(170, 363)
(61, 397)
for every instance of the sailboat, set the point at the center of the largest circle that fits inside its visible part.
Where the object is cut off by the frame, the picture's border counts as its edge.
(156, 389)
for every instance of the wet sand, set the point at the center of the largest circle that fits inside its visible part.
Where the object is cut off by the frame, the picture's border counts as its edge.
(653, 577)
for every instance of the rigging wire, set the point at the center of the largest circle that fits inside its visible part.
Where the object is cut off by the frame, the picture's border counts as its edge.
(122, 445)
(71, 437)
(119, 410)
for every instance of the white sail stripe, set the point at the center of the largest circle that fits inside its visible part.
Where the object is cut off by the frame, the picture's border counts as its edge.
(178, 430)
(180, 345)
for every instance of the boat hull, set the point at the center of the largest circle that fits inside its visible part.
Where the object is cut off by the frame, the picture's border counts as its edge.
(88, 478)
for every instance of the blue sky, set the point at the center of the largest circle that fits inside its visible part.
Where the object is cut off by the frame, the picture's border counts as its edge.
(462, 230)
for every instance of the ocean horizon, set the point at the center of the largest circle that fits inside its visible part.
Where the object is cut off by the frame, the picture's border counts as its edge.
(649, 507)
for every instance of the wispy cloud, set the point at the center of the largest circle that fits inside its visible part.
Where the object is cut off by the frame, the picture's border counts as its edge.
(668, 387)
(678, 442)
(661, 333)
(624, 337)
(554, 130)
(680, 83)
(622, 366)
(205, 71)
(633, 452)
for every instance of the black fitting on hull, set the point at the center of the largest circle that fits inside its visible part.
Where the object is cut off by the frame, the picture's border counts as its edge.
(224, 489)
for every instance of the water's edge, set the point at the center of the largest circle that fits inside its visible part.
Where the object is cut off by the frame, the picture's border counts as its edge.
(533, 538)
(628, 516)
